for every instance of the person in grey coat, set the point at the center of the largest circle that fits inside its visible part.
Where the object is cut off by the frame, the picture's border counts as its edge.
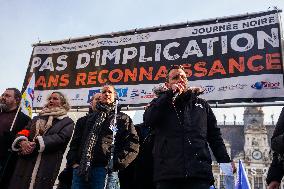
(41, 146)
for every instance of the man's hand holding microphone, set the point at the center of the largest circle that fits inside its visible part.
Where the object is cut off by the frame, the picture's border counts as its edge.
(177, 89)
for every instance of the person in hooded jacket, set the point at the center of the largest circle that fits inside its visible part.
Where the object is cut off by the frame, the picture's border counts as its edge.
(184, 125)
(89, 152)
(139, 174)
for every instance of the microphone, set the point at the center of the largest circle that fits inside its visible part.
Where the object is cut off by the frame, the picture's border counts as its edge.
(178, 90)
(175, 96)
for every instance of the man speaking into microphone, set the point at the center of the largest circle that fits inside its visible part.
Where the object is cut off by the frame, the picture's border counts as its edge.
(185, 127)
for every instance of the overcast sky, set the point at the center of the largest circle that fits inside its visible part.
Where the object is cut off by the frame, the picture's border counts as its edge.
(24, 22)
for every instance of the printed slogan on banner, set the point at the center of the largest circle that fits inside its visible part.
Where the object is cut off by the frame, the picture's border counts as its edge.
(234, 58)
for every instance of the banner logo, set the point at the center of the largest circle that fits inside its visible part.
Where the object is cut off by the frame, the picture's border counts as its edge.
(265, 85)
(121, 93)
(208, 89)
(77, 98)
(91, 93)
(232, 87)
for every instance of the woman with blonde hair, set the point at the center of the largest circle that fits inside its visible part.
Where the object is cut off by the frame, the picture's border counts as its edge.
(41, 145)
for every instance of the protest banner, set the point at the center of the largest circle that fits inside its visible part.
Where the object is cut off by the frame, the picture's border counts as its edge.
(234, 59)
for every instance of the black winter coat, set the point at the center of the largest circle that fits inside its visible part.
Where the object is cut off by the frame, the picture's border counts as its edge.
(7, 139)
(182, 135)
(276, 169)
(10, 157)
(126, 144)
(139, 174)
(277, 140)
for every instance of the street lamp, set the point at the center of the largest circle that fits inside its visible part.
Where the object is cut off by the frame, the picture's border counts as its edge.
(235, 118)
(272, 118)
(224, 119)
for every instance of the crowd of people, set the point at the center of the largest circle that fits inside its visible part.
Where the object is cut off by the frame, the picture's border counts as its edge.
(169, 150)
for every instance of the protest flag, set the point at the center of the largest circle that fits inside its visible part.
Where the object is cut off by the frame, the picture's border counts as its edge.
(26, 104)
(28, 97)
(242, 182)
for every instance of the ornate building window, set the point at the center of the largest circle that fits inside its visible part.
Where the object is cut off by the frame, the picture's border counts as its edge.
(258, 182)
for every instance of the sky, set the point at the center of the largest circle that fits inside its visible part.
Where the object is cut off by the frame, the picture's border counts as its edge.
(25, 22)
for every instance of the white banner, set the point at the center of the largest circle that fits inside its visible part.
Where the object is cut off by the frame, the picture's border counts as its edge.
(234, 59)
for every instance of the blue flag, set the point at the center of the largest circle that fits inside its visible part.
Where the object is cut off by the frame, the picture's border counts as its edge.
(243, 182)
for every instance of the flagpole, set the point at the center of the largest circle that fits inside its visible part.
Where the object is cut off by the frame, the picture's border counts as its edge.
(13, 123)
(10, 153)
(112, 181)
(21, 101)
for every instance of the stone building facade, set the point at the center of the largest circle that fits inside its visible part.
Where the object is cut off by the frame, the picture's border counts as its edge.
(249, 142)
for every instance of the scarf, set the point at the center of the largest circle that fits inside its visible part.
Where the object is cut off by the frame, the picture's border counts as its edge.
(42, 125)
(98, 117)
